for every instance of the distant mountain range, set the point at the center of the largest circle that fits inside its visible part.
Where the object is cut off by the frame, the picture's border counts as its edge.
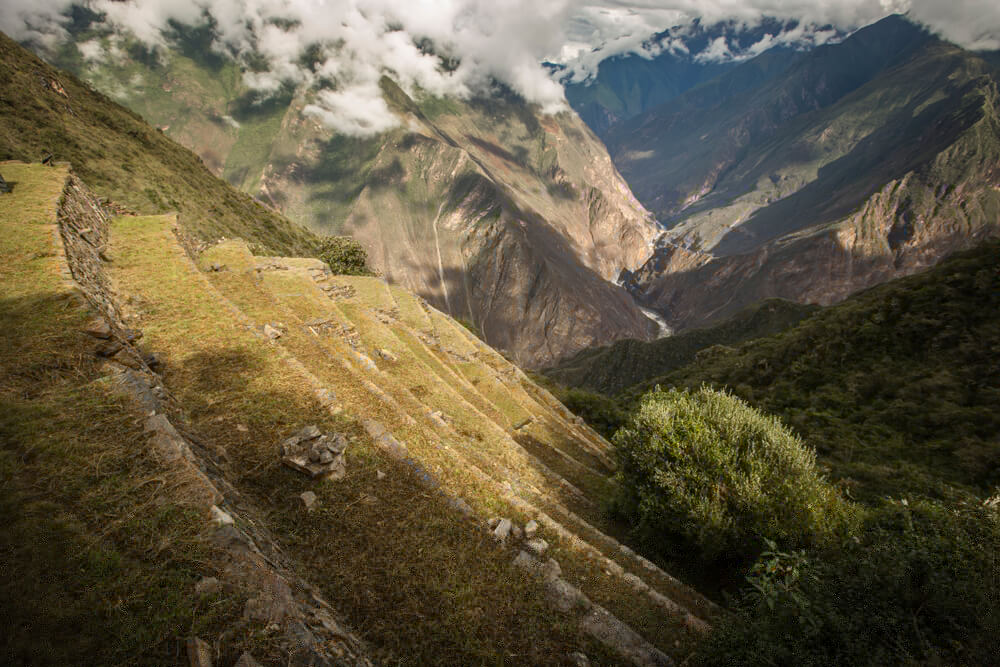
(809, 176)
(628, 85)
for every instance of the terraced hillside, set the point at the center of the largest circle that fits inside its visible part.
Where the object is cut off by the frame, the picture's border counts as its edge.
(159, 463)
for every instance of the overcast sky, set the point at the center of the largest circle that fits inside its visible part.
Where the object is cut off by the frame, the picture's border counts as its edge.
(493, 39)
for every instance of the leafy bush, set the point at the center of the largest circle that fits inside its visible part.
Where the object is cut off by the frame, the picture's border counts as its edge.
(344, 256)
(920, 586)
(722, 475)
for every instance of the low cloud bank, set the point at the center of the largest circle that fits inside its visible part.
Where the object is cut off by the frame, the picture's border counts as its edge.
(460, 47)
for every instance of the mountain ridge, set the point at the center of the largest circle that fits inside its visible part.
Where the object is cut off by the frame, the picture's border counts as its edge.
(437, 202)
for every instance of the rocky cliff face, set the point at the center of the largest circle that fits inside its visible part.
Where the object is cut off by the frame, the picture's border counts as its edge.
(511, 219)
(908, 225)
(830, 180)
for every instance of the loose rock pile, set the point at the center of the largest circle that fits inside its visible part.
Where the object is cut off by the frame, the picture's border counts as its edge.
(314, 453)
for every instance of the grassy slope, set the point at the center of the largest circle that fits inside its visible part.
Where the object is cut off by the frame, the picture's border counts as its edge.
(897, 388)
(613, 368)
(98, 565)
(121, 157)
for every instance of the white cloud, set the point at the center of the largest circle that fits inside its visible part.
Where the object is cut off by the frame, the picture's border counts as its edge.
(504, 40)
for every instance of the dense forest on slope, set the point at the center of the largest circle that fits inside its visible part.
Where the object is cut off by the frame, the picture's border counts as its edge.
(613, 368)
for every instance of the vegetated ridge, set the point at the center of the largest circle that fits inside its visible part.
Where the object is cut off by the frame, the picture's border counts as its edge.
(613, 368)
(895, 388)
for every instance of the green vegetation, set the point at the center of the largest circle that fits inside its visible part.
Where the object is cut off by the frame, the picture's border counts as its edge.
(920, 586)
(98, 562)
(613, 368)
(707, 466)
(344, 256)
(897, 389)
(45, 111)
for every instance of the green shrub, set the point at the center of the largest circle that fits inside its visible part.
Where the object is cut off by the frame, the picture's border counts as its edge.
(344, 256)
(709, 467)
(920, 586)
(603, 414)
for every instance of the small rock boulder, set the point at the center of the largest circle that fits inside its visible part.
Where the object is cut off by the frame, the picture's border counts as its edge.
(98, 328)
(308, 499)
(536, 546)
(271, 332)
(317, 454)
(530, 529)
(503, 530)
(207, 586)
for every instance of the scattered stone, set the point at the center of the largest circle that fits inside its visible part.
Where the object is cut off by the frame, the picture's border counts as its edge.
(308, 499)
(438, 418)
(316, 454)
(463, 507)
(217, 267)
(199, 653)
(131, 335)
(516, 532)
(246, 660)
(379, 475)
(530, 529)
(387, 355)
(502, 531)
(577, 659)
(521, 424)
(537, 546)
(221, 517)
(493, 522)
(98, 328)
(271, 332)
(109, 349)
(241, 428)
(207, 586)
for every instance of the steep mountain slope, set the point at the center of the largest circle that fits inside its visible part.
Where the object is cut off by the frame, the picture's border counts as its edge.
(489, 209)
(613, 368)
(45, 111)
(199, 508)
(675, 156)
(866, 160)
